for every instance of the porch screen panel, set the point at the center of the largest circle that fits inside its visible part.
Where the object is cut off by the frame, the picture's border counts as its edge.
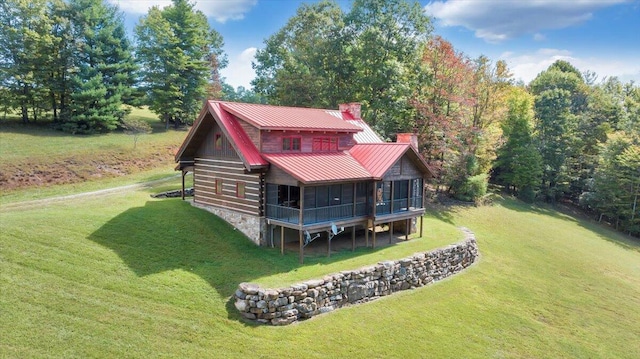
(363, 198)
(417, 190)
(322, 196)
(335, 195)
(272, 193)
(310, 197)
(400, 195)
(347, 193)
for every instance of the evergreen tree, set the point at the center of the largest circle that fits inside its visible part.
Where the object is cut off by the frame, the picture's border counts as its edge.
(177, 49)
(25, 44)
(103, 68)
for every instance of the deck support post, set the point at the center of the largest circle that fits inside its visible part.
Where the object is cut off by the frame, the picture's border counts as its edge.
(301, 246)
(281, 240)
(421, 219)
(407, 229)
(301, 223)
(353, 238)
(366, 234)
(390, 232)
(183, 174)
(374, 236)
(328, 246)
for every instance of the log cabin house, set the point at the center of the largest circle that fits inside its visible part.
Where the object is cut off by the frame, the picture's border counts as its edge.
(282, 174)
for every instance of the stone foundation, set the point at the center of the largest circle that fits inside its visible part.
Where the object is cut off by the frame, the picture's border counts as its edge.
(305, 300)
(251, 226)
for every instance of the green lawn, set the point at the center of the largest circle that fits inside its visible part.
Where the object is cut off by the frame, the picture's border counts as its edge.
(125, 275)
(81, 162)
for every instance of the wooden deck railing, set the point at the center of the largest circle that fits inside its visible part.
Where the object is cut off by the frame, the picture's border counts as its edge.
(343, 211)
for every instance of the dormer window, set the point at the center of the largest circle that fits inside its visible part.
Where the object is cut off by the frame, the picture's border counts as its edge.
(291, 144)
(325, 144)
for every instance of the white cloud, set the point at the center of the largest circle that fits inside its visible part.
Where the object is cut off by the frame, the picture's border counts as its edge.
(219, 10)
(538, 37)
(498, 20)
(239, 71)
(526, 66)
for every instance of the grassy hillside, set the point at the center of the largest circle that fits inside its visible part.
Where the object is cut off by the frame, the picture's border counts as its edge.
(35, 156)
(129, 276)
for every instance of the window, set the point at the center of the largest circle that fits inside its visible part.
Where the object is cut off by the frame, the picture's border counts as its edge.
(325, 144)
(291, 143)
(240, 189)
(218, 186)
(218, 141)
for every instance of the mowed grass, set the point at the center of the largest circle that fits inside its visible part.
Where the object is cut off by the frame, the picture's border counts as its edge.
(128, 276)
(38, 161)
(20, 143)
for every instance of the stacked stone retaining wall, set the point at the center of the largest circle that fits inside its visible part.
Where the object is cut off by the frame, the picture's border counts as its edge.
(305, 300)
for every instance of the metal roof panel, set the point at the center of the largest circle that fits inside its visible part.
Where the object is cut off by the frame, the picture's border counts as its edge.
(239, 138)
(377, 158)
(310, 168)
(269, 117)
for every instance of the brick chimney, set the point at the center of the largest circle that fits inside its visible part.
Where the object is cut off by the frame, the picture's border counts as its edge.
(353, 108)
(411, 138)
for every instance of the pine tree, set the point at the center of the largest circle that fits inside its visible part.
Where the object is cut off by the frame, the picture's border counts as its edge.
(25, 45)
(103, 67)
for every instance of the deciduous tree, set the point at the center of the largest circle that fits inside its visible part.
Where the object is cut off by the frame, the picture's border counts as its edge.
(177, 49)
(519, 164)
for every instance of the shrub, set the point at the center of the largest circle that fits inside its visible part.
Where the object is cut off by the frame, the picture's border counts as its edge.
(472, 188)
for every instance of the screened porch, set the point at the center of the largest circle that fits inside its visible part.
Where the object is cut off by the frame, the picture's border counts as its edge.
(335, 202)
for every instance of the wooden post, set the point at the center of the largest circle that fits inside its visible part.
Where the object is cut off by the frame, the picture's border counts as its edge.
(183, 174)
(421, 219)
(366, 234)
(353, 238)
(409, 194)
(328, 246)
(374, 236)
(393, 185)
(355, 197)
(301, 247)
(301, 223)
(282, 240)
(373, 213)
(407, 229)
(390, 232)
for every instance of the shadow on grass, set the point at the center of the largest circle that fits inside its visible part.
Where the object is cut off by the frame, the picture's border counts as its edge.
(170, 234)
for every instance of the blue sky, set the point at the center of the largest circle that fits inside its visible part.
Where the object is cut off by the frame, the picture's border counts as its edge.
(602, 36)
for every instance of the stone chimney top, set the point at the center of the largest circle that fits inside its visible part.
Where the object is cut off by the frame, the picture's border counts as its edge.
(411, 138)
(352, 108)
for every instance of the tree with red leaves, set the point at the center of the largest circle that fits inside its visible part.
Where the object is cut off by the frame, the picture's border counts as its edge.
(444, 105)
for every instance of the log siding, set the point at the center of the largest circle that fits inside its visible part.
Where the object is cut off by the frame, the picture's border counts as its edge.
(207, 171)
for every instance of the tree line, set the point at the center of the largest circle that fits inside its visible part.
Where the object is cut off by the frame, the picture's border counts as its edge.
(72, 60)
(566, 136)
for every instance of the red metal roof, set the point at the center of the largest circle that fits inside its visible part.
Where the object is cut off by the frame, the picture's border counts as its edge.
(310, 168)
(239, 138)
(268, 117)
(240, 141)
(377, 158)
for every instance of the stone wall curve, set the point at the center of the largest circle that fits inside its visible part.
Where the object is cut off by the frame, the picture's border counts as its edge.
(304, 300)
